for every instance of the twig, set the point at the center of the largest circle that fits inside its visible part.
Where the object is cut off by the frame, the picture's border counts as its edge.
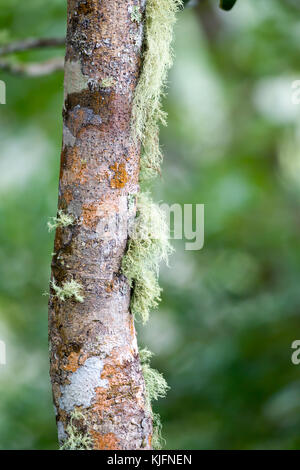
(33, 69)
(27, 44)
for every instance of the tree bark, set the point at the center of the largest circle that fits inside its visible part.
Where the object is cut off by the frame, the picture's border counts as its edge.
(97, 381)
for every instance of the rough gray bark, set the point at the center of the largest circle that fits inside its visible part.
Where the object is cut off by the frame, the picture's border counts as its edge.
(97, 381)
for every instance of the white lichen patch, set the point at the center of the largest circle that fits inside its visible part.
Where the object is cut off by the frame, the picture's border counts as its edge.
(62, 220)
(68, 290)
(75, 81)
(83, 383)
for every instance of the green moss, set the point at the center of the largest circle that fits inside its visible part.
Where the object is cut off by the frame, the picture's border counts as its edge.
(147, 109)
(156, 387)
(147, 247)
(67, 290)
(76, 440)
(63, 220)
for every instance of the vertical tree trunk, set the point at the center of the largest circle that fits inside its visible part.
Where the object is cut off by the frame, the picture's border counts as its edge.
(96, 375)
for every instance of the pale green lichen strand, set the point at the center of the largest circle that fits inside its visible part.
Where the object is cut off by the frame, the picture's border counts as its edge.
(147, 247)
(149, 244)
(158, 57)
(157, 440)
(155, 387)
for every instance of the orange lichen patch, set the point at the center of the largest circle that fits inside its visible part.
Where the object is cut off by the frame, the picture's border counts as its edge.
(104, 208)
(103, 402)
(122, 388)
(89, 215)
(105, 441)
(120, 177)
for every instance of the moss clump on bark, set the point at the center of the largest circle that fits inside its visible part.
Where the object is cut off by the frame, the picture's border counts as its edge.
(68, 290)
(147, 247)
(158, 57)
(62, 220)
(156, 387)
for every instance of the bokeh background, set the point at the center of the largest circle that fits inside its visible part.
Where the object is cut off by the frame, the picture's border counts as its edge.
(223, 333)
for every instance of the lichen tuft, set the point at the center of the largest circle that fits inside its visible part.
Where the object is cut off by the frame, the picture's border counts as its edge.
(62, 220)
(157, 440)
(67, 290)
(158, 57)
(147, 247)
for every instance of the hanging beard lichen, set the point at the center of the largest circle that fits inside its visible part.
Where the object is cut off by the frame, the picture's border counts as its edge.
(158, 57)
(156, 387)
(147, 247)
(149, 244)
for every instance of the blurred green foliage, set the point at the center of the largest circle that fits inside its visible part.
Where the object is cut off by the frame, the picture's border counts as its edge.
(230, 312)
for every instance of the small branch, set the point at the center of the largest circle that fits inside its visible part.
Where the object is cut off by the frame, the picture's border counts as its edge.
(33, 69)
(28, 44)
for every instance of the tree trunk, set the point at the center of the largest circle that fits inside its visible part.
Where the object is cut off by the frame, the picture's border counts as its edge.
(98, 386)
